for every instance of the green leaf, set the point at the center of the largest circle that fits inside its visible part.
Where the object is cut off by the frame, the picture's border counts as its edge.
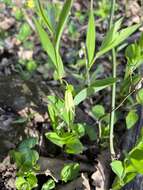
(70, 172)
(62, 21)
(91, 132)
(50, 184)
(44, 17)
(58, 140)
(31, 66)
(49, 48)
(28, 143)
(139, 96)
(29, 158)
(60, 66)
(117, 168)
(25, 32)
(136, 158)
(131, 119)
(98, 111)
(95, 87)
(20, 183)
(73, 146)
(79, 129)
(32, 180)
(46, 42)
(115, 37)
(17, 157)
(90, 38)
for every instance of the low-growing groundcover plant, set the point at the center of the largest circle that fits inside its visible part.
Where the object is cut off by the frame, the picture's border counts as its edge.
(66, 132)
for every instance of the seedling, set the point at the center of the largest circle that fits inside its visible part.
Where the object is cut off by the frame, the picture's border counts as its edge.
(26, 159)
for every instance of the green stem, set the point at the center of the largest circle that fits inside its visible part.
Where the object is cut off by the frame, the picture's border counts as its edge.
(112, 117)
(86, 66)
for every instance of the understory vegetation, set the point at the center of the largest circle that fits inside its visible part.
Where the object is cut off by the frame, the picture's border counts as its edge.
(90, 58)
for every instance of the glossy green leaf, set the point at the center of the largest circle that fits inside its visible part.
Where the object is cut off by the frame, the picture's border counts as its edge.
(20, 183)
(131, 119)
(50, 184)
(95, 87)
(117, 168)
(58, 140)
(32, 180)
(70, 172)
(90, 38)
(62, 21)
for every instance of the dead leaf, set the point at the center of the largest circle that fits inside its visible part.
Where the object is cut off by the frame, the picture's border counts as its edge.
(25, 54)
(101, 176)
(7, 23)
(85, 181)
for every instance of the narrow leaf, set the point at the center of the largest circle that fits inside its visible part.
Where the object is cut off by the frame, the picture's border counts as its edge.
(44, 17)
(62, 20)
(90, 38)
(49, 48)
(97, 86)
(115, 38)
(46, 42)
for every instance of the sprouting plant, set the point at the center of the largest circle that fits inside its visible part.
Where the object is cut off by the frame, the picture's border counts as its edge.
(26, 159)
(66, 133)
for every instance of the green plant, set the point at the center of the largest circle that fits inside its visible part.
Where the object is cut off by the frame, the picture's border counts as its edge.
(66, 132)
(103, 9)
(130, 167)
(50, 184)
(70, 172)
(26, 159)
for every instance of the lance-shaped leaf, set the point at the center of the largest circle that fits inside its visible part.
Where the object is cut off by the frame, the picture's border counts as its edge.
(46, 42)
(42, 14)
(49, 48)
(97, 86)
(90, 38)
(115, 37)
(60, 66)
(62, 20)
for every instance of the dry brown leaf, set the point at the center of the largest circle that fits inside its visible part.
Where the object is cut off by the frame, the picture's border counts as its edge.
(85, 181)
(101, 176)
(7, 23)
(25, 54)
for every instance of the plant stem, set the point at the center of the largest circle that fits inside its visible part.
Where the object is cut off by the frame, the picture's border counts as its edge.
(112, 117)
(86, 66)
